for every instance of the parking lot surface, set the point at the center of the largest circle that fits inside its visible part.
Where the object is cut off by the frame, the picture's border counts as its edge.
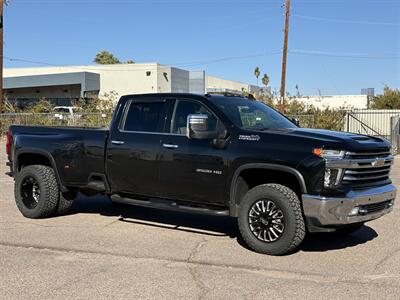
(104, 251)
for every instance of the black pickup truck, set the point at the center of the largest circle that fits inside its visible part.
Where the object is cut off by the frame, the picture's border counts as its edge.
(214, 154)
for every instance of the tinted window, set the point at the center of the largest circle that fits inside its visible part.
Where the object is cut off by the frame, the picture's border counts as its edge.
(251, 114)
(183, 108)
(145, 117)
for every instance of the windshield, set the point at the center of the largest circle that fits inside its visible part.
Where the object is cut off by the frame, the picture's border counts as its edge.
(251, 114)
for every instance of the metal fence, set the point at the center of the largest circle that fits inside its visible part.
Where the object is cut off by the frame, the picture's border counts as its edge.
(381, 123)
(54, 119)
(395, 134)
(370, 121)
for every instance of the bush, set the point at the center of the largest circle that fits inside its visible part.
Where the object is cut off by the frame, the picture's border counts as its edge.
(95, 112)
(309, 115)
(390, 99)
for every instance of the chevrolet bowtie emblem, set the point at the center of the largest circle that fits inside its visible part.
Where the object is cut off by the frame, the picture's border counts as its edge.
(379, 162)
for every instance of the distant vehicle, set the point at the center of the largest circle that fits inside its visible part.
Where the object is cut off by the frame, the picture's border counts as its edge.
(216, 154)
(62, 112)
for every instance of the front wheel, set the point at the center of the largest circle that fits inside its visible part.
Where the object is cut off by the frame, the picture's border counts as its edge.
(36, 191)
(271, 220)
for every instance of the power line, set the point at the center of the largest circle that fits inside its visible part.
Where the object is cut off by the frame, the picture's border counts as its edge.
(199, 63)
(224, 59)
(180, 64)
(345, 55)
(344, 21)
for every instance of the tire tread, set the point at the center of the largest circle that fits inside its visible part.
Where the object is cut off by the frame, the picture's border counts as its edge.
(300, 228)
(49, 186)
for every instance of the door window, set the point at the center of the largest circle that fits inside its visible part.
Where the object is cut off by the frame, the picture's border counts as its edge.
(145, 117)
(183, 108)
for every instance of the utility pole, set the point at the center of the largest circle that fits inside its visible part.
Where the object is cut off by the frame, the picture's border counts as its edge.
(285, 46)
(1, 55)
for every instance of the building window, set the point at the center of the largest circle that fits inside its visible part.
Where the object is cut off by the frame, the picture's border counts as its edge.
(148, 73)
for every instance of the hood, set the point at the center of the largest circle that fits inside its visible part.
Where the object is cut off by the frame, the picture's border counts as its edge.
(336, 139)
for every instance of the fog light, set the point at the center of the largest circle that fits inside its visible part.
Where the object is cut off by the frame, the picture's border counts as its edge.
(332, 177)
(354, 211)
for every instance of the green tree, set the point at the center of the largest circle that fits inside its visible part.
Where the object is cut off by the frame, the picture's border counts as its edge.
(129, 61)
(390, 99)
(257, 73)
(265, 80)
(106, 58)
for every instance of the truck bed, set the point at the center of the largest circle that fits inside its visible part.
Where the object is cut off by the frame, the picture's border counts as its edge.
(78, 152)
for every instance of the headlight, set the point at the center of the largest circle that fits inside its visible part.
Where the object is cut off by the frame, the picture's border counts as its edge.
(332, 177)
(329, 154)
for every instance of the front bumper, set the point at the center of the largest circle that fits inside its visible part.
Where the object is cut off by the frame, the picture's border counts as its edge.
(334, 212)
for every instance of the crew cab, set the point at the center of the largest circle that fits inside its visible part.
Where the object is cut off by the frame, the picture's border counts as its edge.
(212, 154)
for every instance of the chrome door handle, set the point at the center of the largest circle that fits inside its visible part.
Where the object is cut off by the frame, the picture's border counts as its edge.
(117, 142)
(170, 146)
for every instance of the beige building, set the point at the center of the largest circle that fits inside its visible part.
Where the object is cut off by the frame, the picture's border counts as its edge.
(336, 101)
(65, 82)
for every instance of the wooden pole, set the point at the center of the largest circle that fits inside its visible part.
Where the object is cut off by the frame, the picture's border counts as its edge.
(285, 46)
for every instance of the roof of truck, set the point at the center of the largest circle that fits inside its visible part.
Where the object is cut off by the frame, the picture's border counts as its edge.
(183, 95)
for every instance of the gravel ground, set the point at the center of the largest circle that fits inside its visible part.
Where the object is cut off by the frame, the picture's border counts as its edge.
(100, 251)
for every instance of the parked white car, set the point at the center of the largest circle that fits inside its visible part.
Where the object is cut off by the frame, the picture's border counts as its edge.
(62, 112)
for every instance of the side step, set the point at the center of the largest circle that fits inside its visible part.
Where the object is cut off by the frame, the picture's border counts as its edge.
(169, 205)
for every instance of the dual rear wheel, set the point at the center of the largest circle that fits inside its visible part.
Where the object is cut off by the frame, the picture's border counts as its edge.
(37, 193)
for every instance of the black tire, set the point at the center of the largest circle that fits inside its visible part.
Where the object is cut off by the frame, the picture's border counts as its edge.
(65, 202)
(287, 208)
(32, 204)
(349, 229)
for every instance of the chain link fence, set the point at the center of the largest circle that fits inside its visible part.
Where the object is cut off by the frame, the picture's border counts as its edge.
(305, 120)
(54, 119)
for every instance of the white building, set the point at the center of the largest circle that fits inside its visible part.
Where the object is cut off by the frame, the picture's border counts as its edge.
(63, 83)
(336, 101)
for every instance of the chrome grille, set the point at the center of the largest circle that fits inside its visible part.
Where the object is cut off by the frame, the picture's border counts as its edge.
(367, 168)
(369, 153)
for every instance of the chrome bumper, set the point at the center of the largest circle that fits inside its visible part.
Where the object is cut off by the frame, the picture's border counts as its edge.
(332, 211)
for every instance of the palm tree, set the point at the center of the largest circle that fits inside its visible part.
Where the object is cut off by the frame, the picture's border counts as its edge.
(257, 73)
(265, 80)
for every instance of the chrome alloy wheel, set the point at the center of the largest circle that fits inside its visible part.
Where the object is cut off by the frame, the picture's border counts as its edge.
(30, 192)
(266, 221)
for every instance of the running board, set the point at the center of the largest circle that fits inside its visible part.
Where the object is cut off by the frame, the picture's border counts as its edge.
(169, 205)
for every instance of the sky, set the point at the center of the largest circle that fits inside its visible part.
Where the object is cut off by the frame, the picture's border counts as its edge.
(335, 46)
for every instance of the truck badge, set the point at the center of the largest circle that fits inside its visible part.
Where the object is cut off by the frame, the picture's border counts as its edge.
(252, 137)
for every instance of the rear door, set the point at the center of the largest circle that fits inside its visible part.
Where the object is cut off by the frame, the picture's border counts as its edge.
(133, 148)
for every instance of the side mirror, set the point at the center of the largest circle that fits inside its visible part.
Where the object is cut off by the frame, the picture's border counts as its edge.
(196, 127)
(295, 121)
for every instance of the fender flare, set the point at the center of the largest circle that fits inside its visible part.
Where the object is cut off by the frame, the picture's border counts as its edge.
(45, 154)
(232, 194)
